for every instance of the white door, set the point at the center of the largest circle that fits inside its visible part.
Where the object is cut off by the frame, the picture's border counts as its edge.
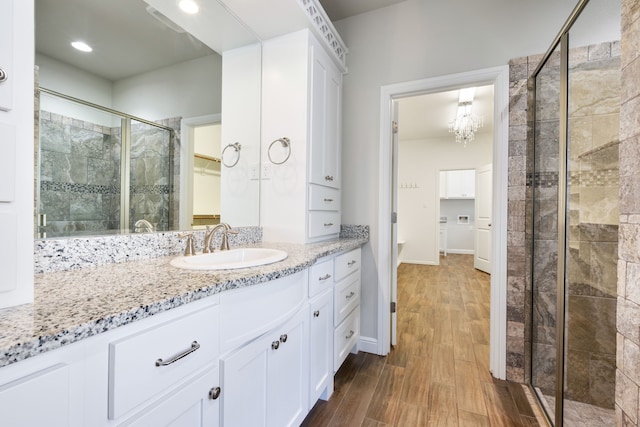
(483, 204)
(394, 221)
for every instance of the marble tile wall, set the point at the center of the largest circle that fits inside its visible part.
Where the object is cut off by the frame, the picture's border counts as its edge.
(80, 175)
(628, 302)
(593, 228)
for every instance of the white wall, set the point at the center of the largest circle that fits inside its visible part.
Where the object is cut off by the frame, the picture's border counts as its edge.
(413, 40)
(460, 237)
(419, 163)
(189, 89)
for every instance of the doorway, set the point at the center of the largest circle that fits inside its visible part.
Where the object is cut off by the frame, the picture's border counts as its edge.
(498, 77)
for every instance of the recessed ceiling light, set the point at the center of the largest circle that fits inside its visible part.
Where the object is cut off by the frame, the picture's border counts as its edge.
(82, 46)
(189, 6)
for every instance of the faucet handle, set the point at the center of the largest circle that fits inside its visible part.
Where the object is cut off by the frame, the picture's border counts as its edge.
(190, 248)
(225, 237)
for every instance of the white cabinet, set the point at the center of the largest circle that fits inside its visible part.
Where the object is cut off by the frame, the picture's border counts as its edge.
(321, 330)
(458, 184)
(48, 390)
(346, 305)
(148, 363)
(301, 100)
(194, 404)
(265, 381)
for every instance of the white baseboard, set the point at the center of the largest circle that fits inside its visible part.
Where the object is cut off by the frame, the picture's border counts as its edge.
(461, 251)
(411, 261)
(368, 345)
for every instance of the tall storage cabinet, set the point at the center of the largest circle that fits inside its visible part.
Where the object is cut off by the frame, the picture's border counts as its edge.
(301, 100)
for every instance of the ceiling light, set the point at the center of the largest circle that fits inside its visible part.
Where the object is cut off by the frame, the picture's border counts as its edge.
(188, 6)
(81, 46)
(465, 124)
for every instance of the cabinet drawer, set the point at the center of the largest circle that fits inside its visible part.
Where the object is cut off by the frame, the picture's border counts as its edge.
(347, 263)
(148, 363)
(249, 312)
(320, 277)
(345, 337)
(346, 297)
(323, 198)
(323, 223)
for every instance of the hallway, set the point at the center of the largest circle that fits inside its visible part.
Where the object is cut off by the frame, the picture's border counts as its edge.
(438, 373)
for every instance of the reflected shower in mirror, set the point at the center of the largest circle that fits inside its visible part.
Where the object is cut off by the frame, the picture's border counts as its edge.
(142, 64)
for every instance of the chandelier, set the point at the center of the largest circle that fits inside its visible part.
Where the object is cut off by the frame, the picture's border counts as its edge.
(465, 124)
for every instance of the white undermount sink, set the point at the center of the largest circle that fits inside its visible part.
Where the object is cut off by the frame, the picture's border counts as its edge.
(227, 260)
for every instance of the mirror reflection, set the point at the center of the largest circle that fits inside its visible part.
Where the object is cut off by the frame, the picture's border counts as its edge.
(112, 118)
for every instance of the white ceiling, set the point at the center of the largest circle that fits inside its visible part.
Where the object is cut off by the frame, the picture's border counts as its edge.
(428, 116)
(126, 39)
(340, 9)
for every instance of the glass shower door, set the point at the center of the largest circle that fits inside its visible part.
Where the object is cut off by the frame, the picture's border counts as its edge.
(545, 193)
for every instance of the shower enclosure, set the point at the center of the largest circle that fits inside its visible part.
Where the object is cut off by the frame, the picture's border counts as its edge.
(573, 221)
(100, 171)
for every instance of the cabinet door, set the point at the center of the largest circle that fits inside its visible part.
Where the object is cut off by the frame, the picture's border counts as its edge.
(47, 392)
(288, 373)
(194, 405)
(269, 376)
(461, 184)
(326, 90)
(321, 347)
(244, 380)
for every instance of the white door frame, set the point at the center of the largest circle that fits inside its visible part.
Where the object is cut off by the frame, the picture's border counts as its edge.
(186, 164)
(499, 77)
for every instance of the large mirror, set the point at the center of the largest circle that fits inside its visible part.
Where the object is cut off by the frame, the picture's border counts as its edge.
(129, 135)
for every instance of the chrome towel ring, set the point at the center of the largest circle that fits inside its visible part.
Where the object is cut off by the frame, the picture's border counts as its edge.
(286, 143)
(236, 147)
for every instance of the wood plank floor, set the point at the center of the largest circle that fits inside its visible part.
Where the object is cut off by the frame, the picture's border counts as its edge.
(438, 373)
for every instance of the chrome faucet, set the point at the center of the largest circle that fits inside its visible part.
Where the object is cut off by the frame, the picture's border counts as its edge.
(210, 232)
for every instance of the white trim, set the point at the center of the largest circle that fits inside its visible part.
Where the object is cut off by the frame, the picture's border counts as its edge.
(421, 262)
(368, 345)
(460, 251)
(499, 77)
(186, 164)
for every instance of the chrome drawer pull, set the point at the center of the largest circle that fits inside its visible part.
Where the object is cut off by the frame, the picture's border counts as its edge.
(275, 345)
(329, 177)
(283, 338)
(214, 393)
(328, 200)
(316, 313)
(350, 295)
(194, 347)
(328, 224)
(351, 263)
(3, 75)
(325, 277)
(350, 335)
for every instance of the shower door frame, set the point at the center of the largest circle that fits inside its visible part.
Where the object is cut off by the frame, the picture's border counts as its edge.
(125, 162)
(562, 40)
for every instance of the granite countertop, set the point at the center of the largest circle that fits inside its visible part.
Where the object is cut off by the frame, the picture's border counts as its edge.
(72, 305)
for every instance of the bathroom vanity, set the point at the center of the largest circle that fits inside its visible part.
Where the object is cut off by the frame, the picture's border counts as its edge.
(144, 343)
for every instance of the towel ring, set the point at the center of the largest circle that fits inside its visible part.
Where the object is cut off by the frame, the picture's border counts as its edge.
(236, 147)
(285, 143)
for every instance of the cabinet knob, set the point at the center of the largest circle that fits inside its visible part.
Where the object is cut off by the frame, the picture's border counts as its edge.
(3, 75)
(329, 178)
(214, 393)
(275, 345)
(283, 338)
(316, 313)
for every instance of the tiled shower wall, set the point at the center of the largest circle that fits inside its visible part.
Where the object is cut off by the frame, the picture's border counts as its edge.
(593, 231)
(628, 315)
(80, 175)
